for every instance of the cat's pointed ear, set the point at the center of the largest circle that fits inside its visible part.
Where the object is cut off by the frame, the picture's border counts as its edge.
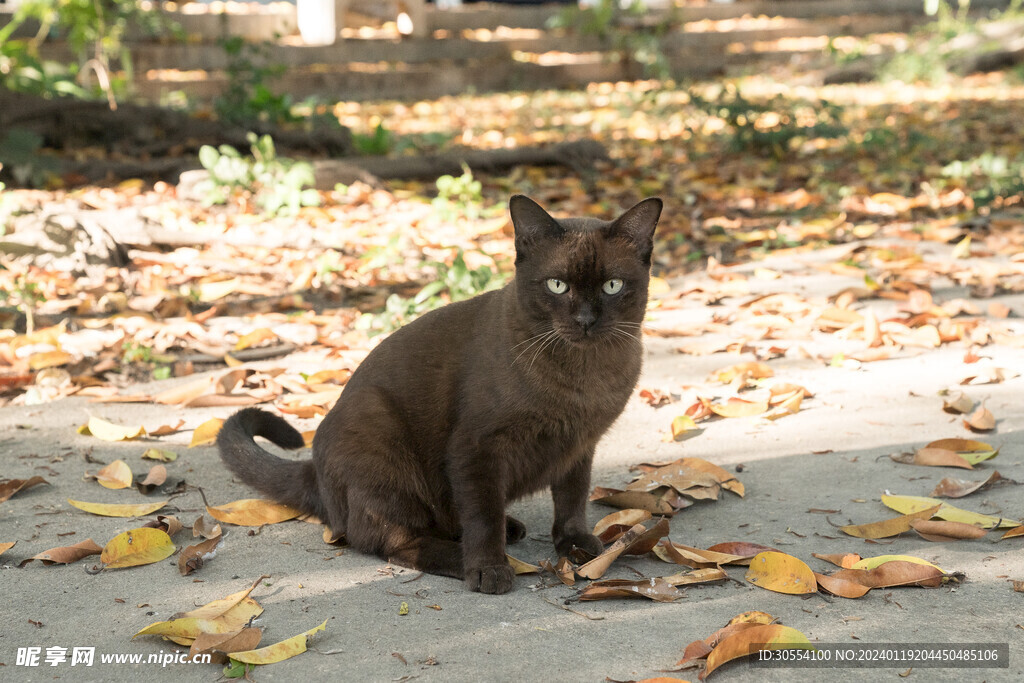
(531, 222)
(637, 226)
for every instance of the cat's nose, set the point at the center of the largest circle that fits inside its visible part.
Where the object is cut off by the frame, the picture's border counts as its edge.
(585, 318)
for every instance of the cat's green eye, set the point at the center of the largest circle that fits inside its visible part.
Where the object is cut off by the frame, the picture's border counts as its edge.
(613, 286)
(557, 286)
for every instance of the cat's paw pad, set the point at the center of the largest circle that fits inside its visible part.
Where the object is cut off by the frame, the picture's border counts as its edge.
(515, 530)
(494, 579)
(579, 547)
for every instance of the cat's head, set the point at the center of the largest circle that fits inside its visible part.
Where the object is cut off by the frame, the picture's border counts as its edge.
(585, 277)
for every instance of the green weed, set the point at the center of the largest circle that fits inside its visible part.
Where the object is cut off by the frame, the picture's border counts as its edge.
(277, 184)
(988, 177)
(454, 282)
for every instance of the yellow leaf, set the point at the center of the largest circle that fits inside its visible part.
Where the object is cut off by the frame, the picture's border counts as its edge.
(113, 510)
(962, 248)
(768, 636)
(255, 337)
(108, 431)
(137, 547)
(159, 454)
(211, 291)
(781, 573)
(206, 433)
(221, 606)
(681, 425)
(116, 475)
(968, 449)
(909, 504)
(252, 512)
(49, 359)
(278, 651)
(738, 407)
(888, 527)
(520, 567)
(188, 627)
(873, 562)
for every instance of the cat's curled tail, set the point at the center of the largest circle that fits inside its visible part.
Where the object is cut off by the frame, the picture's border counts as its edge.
(288, 482)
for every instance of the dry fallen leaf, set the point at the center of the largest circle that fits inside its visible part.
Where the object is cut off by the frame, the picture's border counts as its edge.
(164, 430)
(889, 527)
(220, 645)
(656, 589)
(738, 407)
(981, 420)
(252, 512)
(840, 586)
(932, 457)
(118, 510)
(9, 487)
(941, 531)
(958, 488)
(911, 504)
(278, 651)
(65, 554)
(781, 573)
(664, 501)
(195, 556)
(161, 455)
(156, 476)
(1013, 533)
(844, 560)
(116, 475)
(520, 567)
(765, 636)
(958, 404)
(613, 526)
(108, 431)
(638, 540)
(971, 451)
(206, 433)
(145, 545)
(677, 553)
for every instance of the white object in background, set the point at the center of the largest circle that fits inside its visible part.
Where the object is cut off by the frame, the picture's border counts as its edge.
(316, 21)
(448, 4)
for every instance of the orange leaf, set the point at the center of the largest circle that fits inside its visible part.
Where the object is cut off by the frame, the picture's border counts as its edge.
(252, 512)
(9, 487)
(65, 554)
(769, 636)
(738, 407)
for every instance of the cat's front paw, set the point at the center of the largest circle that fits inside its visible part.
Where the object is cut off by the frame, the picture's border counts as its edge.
(589, 544)
(494, 579)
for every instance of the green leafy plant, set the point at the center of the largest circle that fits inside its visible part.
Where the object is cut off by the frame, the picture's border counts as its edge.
(280, 186)
(771, 126)
(379, 143)
(454, 282)
(247, 98)
(988, 177)
(95, 31)
(25, 295)
(134, 353)
(459, 195)
(20, 155)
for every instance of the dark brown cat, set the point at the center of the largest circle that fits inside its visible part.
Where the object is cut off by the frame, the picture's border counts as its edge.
(476, 404)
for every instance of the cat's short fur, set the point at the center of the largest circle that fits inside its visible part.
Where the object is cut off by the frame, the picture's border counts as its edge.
(476, 404)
